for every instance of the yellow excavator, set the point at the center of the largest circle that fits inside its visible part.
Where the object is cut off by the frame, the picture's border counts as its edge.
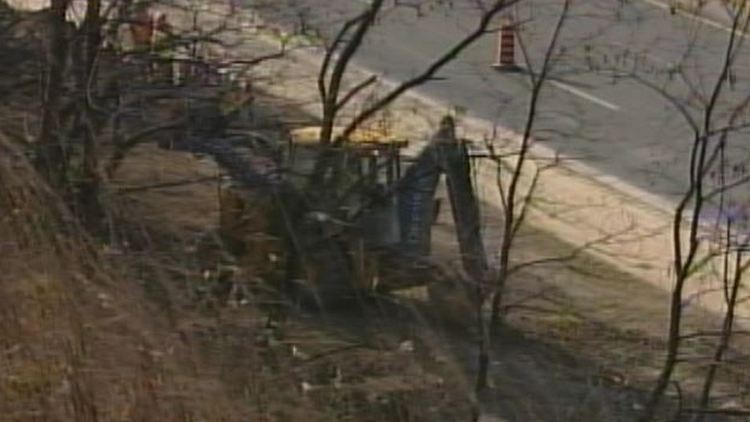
(374, 238)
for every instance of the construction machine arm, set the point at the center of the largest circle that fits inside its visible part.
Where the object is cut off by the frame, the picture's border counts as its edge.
(416, 192)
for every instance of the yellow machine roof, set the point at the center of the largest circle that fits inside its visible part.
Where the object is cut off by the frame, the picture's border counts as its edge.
(310, 135)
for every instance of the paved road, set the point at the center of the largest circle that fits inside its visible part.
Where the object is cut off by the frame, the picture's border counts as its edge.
(614, 124)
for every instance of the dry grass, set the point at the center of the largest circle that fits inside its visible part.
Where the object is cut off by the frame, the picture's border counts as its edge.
(76, 341)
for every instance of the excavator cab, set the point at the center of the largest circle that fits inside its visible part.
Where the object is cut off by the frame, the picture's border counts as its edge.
(365, 214)
(371, 167)
(373, 156)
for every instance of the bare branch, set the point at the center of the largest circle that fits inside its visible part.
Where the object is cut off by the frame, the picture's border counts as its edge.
(342, 62)
(430, 72)
(330, 50)
(355, 90)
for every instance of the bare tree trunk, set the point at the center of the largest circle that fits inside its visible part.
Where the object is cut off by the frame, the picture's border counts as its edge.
(330, 94)
(726, 332)
(483, 358)
(732, 276)
(88, 189)
(684, 261)
(330, 87)
(51, 159)
(512, 219)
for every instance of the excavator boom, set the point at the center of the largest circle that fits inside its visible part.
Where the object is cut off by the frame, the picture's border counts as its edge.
(416, 192)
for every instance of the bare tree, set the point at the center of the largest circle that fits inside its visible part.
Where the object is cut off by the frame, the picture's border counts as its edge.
(208, 45)
(89, 45)
(690, 212)
(734, 268)
(329, 91)
(514, 204)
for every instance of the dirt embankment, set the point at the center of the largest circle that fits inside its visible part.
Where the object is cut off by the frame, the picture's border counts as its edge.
(123, 330)
(120, 328)
(120, 331)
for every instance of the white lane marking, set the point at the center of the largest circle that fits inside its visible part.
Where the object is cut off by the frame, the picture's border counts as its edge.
(692, 16)
(584, 95)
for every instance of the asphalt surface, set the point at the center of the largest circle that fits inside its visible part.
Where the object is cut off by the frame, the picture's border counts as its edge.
(602, 103)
